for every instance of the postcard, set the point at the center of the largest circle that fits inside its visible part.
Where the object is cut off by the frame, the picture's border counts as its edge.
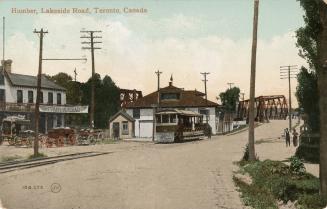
(163, 104)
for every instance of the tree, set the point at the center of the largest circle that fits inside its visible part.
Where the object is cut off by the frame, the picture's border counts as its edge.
(106, 99)
(230, 98)
(308, 98)
(312, 41)
(73, 93)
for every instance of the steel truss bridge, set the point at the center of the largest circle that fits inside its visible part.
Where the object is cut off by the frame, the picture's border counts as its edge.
(128, 96)
(266, 108)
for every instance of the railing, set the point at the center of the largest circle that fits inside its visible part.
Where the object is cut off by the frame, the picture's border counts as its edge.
(21, 107)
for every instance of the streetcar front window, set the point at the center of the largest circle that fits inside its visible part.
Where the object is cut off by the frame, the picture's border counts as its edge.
(165, 118)
(173, 118)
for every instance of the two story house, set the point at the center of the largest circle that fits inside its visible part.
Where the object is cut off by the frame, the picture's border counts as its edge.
(18, 97)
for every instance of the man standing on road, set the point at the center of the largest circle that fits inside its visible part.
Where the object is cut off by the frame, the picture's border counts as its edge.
(287, 137)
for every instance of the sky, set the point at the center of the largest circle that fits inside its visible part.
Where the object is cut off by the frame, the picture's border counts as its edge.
(178, 37)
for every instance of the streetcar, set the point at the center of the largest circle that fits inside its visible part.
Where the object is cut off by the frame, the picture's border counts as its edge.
(174, 125)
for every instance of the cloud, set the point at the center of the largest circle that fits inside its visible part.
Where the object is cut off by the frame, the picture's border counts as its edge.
(130, 57)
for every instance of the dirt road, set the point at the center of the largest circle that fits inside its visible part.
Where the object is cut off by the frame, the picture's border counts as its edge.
(141, 175)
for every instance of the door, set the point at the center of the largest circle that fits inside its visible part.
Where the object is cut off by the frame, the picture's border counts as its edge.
(115, 128)
(145, 128)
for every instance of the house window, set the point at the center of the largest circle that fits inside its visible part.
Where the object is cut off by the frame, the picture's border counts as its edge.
(59, 98)
(50, 98)
(136, 113)
(2, 79)
(41, 97)
(2, 95)
(30, 97)
(125, 128)
(19, 96)
(206, 117)
(165, 96)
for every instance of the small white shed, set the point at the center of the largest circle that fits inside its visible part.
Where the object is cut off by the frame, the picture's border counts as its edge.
(121, 126)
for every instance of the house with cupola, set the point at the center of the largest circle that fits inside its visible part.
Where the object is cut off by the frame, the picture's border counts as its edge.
(170, 97)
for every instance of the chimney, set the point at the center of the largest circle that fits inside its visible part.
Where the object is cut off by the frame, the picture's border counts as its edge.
(6, 65)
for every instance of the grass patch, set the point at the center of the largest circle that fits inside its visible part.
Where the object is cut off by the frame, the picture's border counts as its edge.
(39, 155)
(10, 158)
(274, 180)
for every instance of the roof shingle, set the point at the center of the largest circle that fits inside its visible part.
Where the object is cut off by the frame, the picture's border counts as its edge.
(187, 99)
(31, 81)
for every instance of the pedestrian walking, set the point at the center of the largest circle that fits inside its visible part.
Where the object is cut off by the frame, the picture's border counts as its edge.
(287, 138)
(295, 138)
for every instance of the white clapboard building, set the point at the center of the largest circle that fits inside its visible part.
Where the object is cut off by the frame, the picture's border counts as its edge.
(170, 97)
(18, 97)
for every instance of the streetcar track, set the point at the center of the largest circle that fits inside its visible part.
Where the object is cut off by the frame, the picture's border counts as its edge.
(41, 158)
(43, 162)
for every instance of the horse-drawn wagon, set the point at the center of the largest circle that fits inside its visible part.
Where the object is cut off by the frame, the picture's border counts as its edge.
(15, 130)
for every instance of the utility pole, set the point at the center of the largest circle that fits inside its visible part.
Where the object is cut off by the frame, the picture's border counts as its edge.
(3, 38)
(90, 45)
(288, 72)
(205, 84)
(252, 81)
(75, 74)
(38, 93)
(230, 85)
(158, 76)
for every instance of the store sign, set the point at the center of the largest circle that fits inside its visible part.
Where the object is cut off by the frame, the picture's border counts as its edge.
(64, 109)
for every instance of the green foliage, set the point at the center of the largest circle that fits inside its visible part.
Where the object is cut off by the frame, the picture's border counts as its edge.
(308, 97)
(229, 98)
(274, 180)
(307, 41)
(255, 196)
(106, 99)
(73, 94)
(296, 166)
(308, 149)
(307, 36)
(307, 152)
(311, 201)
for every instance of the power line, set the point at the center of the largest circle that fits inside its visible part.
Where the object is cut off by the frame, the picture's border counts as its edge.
(91, 45)
(289, 72)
